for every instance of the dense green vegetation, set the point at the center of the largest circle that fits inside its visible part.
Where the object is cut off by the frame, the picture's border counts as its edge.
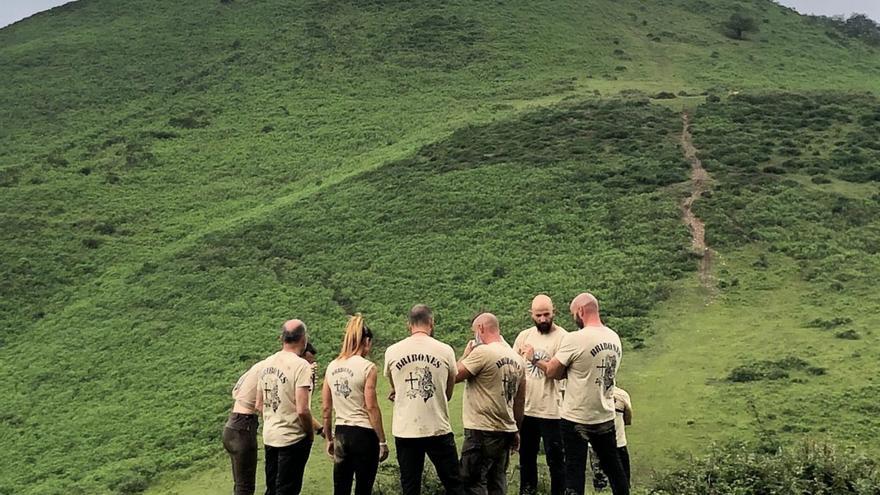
(817, 469)
(178, 177)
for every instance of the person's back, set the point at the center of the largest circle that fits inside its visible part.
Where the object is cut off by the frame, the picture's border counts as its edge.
(493, 407)
(357, 443)
(284, 398)
(240, 431)
(281, 374)
(489, 393)
(592, 355)
(347, 378)
(419, 367)
(422, 374)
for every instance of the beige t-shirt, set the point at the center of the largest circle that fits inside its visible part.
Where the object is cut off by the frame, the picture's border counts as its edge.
(281, 374)
(488, 395)
(347, 379)
(592, 356)
(420, 367)
(621, 403)
(543, 395)
(244, 393)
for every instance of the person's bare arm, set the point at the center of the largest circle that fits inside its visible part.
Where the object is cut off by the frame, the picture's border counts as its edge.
(258, 404)
(391, 395)
(327, 416)
(552, 369)
(304, 411)
(450, 384)
(374, 413)
(519, 402)
(627, 415)
(462, 373)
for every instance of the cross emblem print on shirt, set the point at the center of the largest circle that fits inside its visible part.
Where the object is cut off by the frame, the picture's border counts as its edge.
(506, 380)
(412, 381)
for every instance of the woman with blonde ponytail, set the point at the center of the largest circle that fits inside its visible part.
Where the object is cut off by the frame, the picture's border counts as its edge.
(358, 443)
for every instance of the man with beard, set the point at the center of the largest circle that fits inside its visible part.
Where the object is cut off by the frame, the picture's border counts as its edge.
(543, 396)
(590, 357)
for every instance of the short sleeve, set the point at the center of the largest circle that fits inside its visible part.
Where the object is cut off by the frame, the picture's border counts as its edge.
(450, 361)
(568, 350)
(304, 376)
(517, 343)
(368, 368)
(474, 361)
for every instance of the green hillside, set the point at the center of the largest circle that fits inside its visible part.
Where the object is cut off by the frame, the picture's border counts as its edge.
(179, 177)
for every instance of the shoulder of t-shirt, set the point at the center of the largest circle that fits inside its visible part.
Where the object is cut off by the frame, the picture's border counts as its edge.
(269, 361)
(443, 345)
(611, 330)
(391, 348)
(475, 361)
(524, 334)
(516, 357)
(257, 366)
(367, 364)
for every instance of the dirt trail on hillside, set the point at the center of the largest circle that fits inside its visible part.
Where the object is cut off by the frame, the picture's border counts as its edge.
(701, 181)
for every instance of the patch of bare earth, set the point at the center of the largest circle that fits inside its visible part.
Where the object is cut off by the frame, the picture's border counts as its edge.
(701, 182)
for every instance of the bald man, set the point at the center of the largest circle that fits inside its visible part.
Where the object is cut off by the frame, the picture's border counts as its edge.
(493, 407)
(590, 357)
(541, 419)
(284, 398)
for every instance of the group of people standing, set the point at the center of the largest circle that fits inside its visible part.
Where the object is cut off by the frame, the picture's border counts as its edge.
(513, 399)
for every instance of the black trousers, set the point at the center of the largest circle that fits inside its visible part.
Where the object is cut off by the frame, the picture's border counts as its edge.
(531, 433)
(443, 454)
(484, 459)
(285, 467)
(240, 440)
(578, 438)
(356, 458)
(623, 453)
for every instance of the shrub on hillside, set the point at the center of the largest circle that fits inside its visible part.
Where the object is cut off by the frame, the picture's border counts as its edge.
(772, 370)
(811, 467)
(738, 25)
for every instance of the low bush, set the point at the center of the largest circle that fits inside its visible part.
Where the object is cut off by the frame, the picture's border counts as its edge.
(807, 468)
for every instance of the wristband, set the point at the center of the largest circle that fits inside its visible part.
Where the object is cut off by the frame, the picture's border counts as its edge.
(383, 444)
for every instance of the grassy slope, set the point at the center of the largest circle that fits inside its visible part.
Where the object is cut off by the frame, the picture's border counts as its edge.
(100, 155)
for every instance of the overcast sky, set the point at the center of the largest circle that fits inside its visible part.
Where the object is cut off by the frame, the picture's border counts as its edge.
(834, 7)
(14, 10)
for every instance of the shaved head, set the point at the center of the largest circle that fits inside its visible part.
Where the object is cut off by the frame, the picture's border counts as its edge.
(542, 313)
(487, 321)
(542, 303)
(585, 310)
(585, 301)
